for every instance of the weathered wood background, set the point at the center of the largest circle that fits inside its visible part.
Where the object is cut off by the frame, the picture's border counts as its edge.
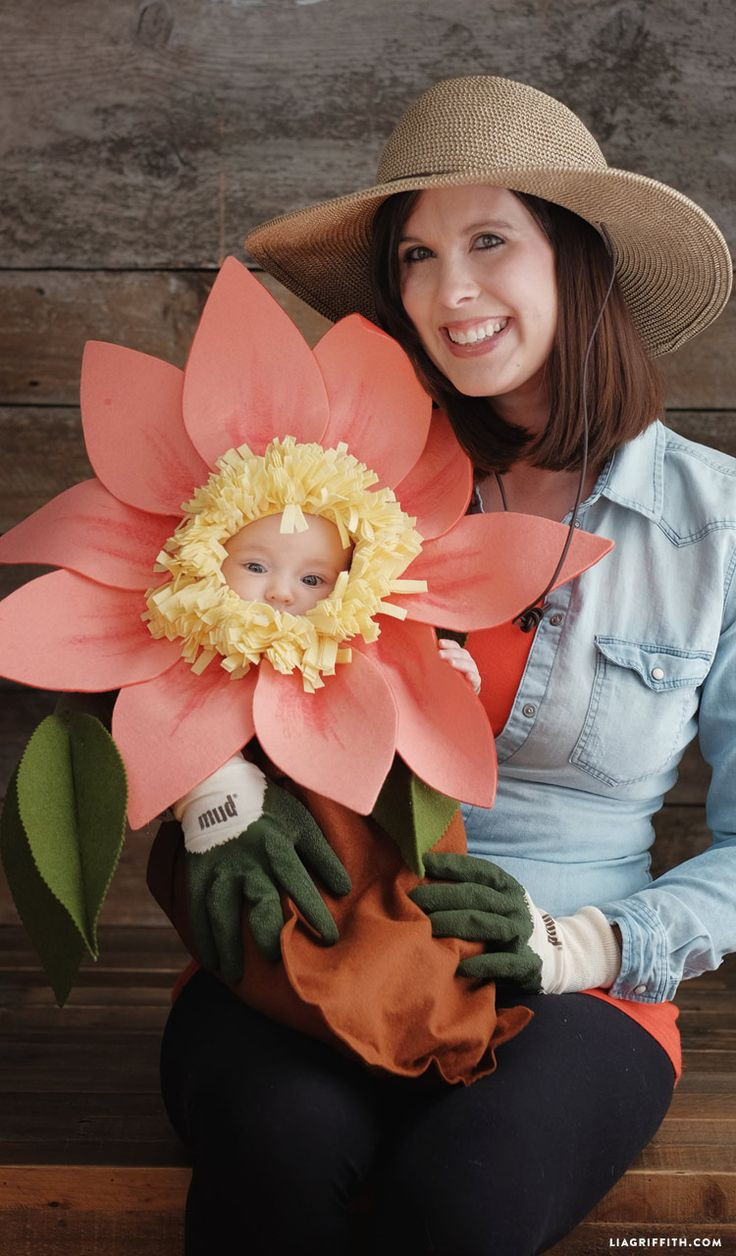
(140, 141)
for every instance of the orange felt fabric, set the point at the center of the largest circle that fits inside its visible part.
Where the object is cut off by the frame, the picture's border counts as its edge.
(387, 991)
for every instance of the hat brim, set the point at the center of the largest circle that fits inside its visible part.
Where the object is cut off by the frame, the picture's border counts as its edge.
(673, 264)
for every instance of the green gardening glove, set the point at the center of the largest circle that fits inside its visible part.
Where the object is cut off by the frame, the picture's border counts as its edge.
(479, 902)
(524, 946)
(248, 842)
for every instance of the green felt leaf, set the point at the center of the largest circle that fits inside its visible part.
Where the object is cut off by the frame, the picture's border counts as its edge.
(47, 923)
(413, 814)
(72, 800)
(432, 814)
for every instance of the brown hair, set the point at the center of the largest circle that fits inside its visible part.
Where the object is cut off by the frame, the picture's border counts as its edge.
(624, 393)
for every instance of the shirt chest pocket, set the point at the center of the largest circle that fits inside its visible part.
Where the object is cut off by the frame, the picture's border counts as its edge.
(642, 697)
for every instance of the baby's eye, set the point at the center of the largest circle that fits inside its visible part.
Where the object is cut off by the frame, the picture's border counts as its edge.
(419, 253)
(487, 241)
(313, 581)
(257, 568)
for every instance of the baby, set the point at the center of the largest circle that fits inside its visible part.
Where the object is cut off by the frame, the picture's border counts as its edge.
(294, 571)
(383, 989)
(290, 572)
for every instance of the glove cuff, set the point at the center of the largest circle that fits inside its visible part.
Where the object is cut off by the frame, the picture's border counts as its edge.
(222, 806)
(578, 952)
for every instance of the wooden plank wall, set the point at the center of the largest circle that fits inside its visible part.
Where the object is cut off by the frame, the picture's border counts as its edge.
(140, 141)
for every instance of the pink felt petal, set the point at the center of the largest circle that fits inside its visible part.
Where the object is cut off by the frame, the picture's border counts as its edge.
(444, 734)
(177, 729)
(64, 632)
(87, 530)
(250, 375)
(134, 431)
(489, 567)
(439, 487)
(377, 404)
(338, 741)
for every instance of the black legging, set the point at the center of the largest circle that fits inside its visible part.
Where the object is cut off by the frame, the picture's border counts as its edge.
(299, 1149)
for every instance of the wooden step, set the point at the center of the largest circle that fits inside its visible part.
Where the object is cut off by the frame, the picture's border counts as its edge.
(90, 1166)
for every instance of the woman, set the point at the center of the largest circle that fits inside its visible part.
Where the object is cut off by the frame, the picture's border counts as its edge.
(532, 285)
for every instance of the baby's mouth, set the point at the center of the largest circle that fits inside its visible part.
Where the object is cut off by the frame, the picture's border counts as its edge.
(477, 334)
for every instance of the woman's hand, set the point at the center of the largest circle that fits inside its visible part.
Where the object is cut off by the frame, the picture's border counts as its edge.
(461, 660)
(476, 900)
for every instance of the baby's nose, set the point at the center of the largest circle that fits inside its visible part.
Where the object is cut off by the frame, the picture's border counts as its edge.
(279, 590)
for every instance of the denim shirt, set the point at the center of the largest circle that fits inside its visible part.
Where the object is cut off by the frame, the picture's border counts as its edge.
(631, 661)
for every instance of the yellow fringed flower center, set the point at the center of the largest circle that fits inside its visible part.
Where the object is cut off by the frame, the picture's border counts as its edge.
(198, 606)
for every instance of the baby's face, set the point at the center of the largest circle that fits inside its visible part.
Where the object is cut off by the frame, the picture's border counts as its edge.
(290, 571)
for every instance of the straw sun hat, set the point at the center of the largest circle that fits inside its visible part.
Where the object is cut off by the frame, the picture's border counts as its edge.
(673, 265)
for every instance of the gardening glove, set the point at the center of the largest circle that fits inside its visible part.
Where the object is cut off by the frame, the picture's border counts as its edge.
(248, 840)
(527, 947)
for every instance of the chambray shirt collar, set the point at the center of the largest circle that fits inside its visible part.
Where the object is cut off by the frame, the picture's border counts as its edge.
(633, 477)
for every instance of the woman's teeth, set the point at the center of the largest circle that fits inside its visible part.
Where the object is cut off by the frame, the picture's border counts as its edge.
(475, 334)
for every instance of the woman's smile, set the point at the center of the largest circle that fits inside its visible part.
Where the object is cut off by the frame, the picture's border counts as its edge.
(470, 339)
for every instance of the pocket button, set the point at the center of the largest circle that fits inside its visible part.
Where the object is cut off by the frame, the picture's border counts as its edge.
(657, 673)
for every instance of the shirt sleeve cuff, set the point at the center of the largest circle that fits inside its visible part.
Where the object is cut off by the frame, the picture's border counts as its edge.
(645, 974)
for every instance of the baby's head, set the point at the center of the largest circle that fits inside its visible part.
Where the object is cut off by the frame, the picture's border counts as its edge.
(289, 571)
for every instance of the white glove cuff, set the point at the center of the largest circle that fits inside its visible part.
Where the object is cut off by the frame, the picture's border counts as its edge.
(578, 952)
(222, 806)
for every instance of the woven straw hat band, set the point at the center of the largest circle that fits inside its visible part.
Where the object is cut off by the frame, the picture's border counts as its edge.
(479, 123)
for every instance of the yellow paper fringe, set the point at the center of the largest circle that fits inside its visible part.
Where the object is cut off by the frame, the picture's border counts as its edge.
(197, 605)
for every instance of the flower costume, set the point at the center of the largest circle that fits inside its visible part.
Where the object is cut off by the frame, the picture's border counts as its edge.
(258, 424)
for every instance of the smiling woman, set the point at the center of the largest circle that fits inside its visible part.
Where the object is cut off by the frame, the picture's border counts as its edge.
(532, 285)
(477, 281)
(549, 428)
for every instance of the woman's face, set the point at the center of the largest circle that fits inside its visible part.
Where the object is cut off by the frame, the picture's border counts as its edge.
(478, 283)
